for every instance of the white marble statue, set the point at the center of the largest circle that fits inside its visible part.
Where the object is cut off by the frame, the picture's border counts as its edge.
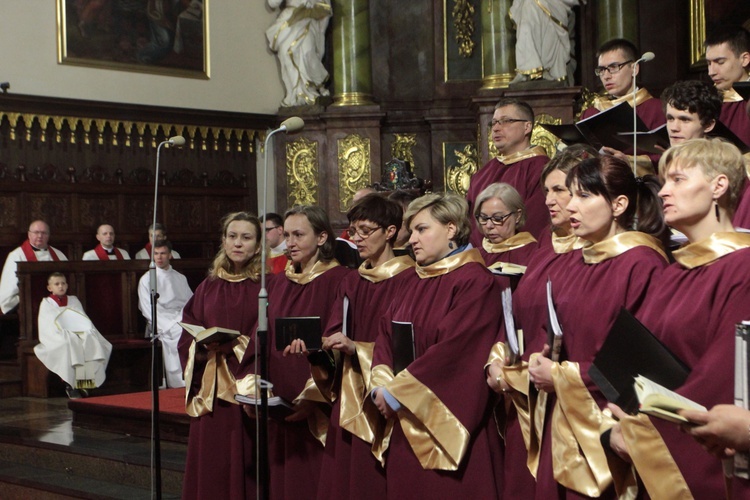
(544, 38)
(298, 38)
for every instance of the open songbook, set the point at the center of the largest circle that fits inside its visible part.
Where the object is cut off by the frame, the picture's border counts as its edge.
(211, 335)
(742, 389)
(658, 401)
(278, 407)
(510, 327)
(554, 330)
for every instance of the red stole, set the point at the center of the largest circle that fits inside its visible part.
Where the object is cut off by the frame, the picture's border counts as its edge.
(103, 255)
(148, 249)
(60, 301)
(28, 251)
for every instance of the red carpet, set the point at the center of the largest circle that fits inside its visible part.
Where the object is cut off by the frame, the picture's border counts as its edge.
(170, 401)
(131, 414)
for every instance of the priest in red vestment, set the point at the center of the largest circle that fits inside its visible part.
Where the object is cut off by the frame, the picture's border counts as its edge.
(106, 249)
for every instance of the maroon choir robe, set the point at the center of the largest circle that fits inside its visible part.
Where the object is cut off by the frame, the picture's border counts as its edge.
(734, 115)
(741, 217)
(523, 171)
(530, 312)
(515, 250)
(349, 469)
(693, 310)
(455, 311)
(295, 455)
(221, 456)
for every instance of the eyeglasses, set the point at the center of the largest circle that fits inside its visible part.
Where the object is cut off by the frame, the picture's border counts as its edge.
(364, 232)
(271, 228)
(612, 69)
(503, 122)
(497, 220)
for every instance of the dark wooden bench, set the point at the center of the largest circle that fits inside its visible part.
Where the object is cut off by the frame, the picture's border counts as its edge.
(109, 294)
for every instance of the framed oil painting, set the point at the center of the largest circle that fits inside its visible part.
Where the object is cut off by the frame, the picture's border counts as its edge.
(168, 37)
(706, 15)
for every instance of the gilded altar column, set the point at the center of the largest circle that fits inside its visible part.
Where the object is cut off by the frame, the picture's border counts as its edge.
(498, 44)
(352, 68)
(617, 19)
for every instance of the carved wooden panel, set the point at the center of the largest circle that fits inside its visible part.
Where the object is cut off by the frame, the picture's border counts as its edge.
(187, 214)
(9, 212)
(56, 210)
(138, 212)
(96, 211)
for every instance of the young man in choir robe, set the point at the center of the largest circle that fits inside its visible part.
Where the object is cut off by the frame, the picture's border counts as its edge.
(615, 69)
(728, 59)
(519, 164)
(69, 343)
(692, 109)
(275, 241)
(35, 248)
(157, 232)
(174, 292)
(106, 249)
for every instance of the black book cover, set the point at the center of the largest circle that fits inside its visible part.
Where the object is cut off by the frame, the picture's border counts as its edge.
(403, 345)
(305, 328)
(630, 349)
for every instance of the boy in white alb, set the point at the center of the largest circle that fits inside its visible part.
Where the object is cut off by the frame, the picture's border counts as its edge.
(69, 344)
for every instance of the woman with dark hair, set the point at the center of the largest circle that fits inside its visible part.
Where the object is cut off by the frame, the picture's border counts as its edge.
(555, 249)
(220, 446)
(437, 408)
(693, 310)
(615, 271)
(307, 288)
(349, 469)
(500, 214)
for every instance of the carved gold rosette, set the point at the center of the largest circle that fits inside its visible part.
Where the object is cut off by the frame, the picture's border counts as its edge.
(302, 172)
(458, 174)
(541, 137)
(463, 21)
(402, 148)
(354, 167)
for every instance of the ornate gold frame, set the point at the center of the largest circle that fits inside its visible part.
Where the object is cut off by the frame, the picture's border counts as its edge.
(697, 33)
(64, 58)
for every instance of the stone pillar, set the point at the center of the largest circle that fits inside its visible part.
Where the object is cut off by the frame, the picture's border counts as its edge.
(617, 19)
(352, 66)
(498, 44)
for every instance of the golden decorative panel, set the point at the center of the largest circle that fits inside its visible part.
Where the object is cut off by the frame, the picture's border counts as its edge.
(402, 148)
(697, 31)
(354, 167)
(541, 137)
(463, 22)
(460, 162)
(302, 172)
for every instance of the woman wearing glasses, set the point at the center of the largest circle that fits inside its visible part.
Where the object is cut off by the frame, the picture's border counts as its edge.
(500, 213)
(693, 310)
(615, 271)
(530, 312)
(307, 288)
(437, 408)
(349, 469)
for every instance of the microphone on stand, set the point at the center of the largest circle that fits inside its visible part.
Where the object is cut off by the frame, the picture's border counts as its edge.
(292, 124)
(177, 140)
(648, 56)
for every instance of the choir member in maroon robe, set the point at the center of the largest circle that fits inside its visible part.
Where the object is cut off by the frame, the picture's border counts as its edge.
(615, 271)
(500, 213)
(693, 310)
(349, 469)
(307, 288)
(437, 409)
(529, 310)
(519, 163)
(220, 457)
(728, 58)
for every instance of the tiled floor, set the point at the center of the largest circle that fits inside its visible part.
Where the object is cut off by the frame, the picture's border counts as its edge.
(38, 442)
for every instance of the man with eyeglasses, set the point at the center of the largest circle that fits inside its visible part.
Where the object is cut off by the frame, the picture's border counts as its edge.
(518, 163)
(615, 70)
(728, 58)
(35, 248)
(273, 225)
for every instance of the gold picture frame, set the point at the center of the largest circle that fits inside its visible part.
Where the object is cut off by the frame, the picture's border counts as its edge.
(697, 33)
(706, 15)
(143, 37)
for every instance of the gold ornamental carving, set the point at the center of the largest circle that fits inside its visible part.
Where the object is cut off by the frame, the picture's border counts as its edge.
(463, 22)
(302, 172)
(354, 167)
(541, 137)
(588, 98)
(458, 175)
(402, 148)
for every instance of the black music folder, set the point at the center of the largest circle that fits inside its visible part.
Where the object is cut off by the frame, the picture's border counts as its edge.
(402, 340)
(629, 350)
(306, 328)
